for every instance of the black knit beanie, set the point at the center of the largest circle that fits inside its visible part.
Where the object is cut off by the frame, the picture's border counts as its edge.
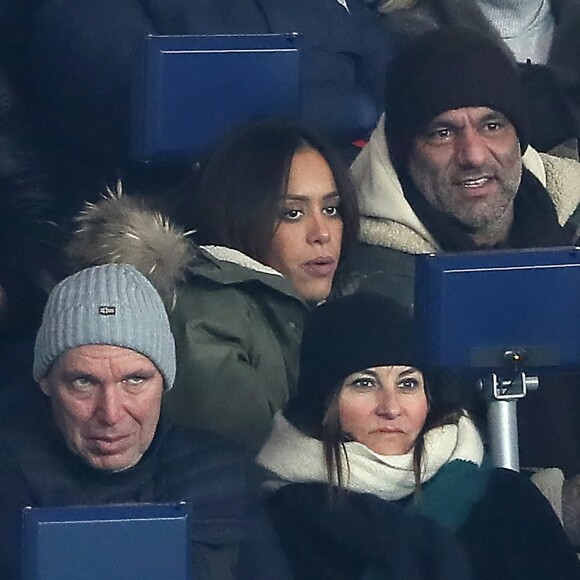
(445, 69)
(344, 336)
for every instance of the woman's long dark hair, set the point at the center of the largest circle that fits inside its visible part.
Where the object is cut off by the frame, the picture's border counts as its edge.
(236, 202)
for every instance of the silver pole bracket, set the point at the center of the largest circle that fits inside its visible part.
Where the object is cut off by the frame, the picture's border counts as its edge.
(502, 395)
(496, 388)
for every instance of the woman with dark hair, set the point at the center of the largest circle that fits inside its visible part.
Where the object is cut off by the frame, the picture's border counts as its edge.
(365, 434)
(258, 185)
(274, 210)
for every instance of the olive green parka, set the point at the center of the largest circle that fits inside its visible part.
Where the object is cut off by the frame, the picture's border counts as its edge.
(237, 323)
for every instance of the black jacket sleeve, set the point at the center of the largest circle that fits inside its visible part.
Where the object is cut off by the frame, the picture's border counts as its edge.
(512, 532)
(345, 537)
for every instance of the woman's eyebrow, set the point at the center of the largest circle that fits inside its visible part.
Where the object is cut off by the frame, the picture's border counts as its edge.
(366, 372)
(298, 197)
(295, 197)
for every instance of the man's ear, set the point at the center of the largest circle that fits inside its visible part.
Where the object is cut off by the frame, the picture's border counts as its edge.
(44, 385)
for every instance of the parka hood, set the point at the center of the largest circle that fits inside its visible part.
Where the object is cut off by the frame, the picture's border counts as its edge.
(127, 230)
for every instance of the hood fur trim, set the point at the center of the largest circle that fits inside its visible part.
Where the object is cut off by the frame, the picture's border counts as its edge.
(124, 230)
(562, 178)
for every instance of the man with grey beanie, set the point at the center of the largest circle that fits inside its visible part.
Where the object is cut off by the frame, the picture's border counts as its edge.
(103, 357)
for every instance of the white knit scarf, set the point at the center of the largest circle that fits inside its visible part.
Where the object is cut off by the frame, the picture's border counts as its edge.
(295, 457)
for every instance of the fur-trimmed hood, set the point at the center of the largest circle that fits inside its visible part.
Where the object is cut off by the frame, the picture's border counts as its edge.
(389, 221)
(125, 229)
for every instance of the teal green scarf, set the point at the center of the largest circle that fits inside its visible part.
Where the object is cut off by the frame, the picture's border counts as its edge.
(449, 496)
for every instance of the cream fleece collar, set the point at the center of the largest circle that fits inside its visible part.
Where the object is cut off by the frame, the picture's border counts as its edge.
(295, 457)
(236, 257)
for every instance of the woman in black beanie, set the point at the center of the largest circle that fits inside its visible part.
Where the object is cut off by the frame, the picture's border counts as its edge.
(366, 469)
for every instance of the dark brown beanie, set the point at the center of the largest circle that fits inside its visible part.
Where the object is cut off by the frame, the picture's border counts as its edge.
(445, 69)
(342, 337)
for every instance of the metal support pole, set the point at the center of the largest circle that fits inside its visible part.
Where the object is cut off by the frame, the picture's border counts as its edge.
(502, 423)
(502, 396)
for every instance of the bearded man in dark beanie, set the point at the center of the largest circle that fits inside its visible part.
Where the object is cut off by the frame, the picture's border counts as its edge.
(448, 168)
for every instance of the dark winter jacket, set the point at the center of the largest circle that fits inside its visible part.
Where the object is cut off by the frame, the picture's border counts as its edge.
(360, 537)
(512, 532)
(84, 52)
(325, 541)
(229, 542)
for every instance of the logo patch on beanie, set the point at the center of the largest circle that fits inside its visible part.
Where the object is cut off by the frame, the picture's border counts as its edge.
(107, 310)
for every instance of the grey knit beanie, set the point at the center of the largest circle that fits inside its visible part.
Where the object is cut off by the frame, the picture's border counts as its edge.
(112, 304)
